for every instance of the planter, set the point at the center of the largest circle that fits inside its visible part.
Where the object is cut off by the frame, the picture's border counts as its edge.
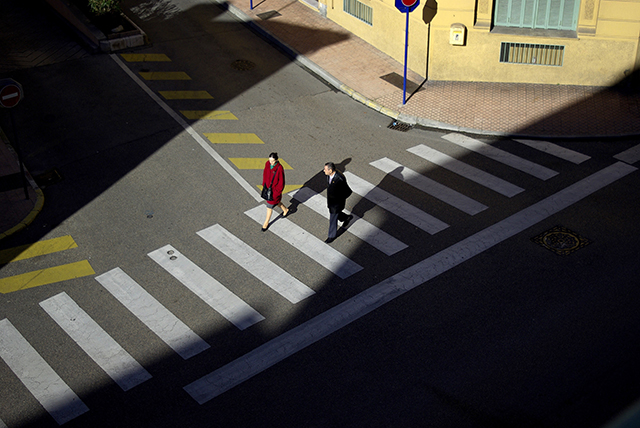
(102, 39)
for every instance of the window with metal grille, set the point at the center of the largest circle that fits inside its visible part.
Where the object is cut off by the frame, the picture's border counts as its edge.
(359, 10)
(527, 53)
(542, 14)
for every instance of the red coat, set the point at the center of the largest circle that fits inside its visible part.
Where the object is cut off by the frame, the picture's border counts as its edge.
(278, 180)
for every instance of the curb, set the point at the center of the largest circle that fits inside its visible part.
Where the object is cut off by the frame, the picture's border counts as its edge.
(394, 114)
(39, 194)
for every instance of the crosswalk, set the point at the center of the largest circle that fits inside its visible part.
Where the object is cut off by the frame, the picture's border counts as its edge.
(227, 304)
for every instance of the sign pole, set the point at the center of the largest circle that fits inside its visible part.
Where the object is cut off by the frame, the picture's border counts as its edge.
(10, 95)
(406, 50)
(18, 151)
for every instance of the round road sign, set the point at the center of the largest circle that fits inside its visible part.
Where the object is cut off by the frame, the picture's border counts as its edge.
(406, 6)
(10, 93)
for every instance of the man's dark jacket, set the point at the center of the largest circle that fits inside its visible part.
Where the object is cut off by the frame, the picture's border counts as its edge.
(337, 193)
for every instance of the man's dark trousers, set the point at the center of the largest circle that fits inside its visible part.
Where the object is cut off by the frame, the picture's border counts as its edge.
(337, 193)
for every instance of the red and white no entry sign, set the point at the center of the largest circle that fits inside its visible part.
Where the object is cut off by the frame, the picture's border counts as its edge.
(10, 93)
(409, 3)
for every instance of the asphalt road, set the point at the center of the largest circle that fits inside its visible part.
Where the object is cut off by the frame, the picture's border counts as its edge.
(512, 335)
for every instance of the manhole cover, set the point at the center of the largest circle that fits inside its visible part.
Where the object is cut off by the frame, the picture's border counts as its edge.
(243, 65)
(48, 178)
(396, 125)
(561, 240)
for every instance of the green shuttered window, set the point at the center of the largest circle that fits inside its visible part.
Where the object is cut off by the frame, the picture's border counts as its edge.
(541, 14)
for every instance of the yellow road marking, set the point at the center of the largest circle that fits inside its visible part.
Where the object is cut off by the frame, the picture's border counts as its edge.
(223, 138)
(164, 75)
(208, 114)
(45, 276)
(254, 163)
(145, 57)
(37, 249)
(287, 187)
(186, 95)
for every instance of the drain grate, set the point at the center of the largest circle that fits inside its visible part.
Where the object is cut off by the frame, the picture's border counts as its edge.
(243, 65)
(396, 125)
(48, 178)
(270, 14)
(561, 240)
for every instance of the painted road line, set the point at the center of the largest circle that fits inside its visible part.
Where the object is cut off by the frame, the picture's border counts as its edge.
(555, 150)
(33, 371)
(203, 285)
(429, 186)
(46, 276)
(152, 313)
(189, 129)
(229, 138)
(630, 156)
(313, 247)
(255, 163)
(256, 264)
(501, 156)
(528, 167)
(164, 75)
(208, 114)
(364, 230)
(36, 249)
(287, 344)
(395, 205)
(149, 57)
(2, 424)
(103, 350)
(467, 171)
(186, 95)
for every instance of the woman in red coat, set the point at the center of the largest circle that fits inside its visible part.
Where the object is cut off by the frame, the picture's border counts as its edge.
(273, 171)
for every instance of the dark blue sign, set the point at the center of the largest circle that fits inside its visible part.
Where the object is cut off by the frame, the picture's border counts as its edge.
(406, 6)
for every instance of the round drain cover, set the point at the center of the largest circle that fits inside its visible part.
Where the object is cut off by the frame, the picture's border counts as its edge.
(561, 241)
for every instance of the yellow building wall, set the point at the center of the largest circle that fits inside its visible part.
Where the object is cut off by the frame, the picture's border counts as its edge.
(606, 49)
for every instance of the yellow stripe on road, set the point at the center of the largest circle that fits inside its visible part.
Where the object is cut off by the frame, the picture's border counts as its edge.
(186, 95)
(164, 75)
(287, 187)
(208, 114)
(37, 249)
(254, 163)
(145, 57)
(217, 138)
(46, 276)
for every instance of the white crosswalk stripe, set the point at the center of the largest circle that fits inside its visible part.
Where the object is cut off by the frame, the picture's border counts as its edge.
(152, 313)
(555, 150)
(256, 264)
(313, 247)
(223, 301)
(467, 171)
(358, 226)
(429, 186)
(111, 357)
(501, 156)
(395, 205)
(630, 156)
(33, 371)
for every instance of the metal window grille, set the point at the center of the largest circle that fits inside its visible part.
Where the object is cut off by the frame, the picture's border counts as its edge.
(543, 14)
(527, 53)
(358, 10)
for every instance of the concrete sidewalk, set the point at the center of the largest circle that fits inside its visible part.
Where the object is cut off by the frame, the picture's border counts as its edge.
(352, 66)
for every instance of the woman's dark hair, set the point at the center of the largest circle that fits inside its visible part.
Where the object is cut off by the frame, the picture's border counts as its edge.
(274, 155)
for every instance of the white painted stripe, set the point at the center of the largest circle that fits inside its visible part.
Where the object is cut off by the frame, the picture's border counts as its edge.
(199, 139)
(467, 171)
(630, 156)
(287, 344)
(256, 264)
(3, 425)
(115, 361)
(555, 150)
(152, 313)
(223, 301)
(429, 186)
(538, 171)
(358, 226)
(33, 371)
(317, 250)
(395, 205)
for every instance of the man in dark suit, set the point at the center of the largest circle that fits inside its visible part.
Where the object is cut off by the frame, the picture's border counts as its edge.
(337, 193)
